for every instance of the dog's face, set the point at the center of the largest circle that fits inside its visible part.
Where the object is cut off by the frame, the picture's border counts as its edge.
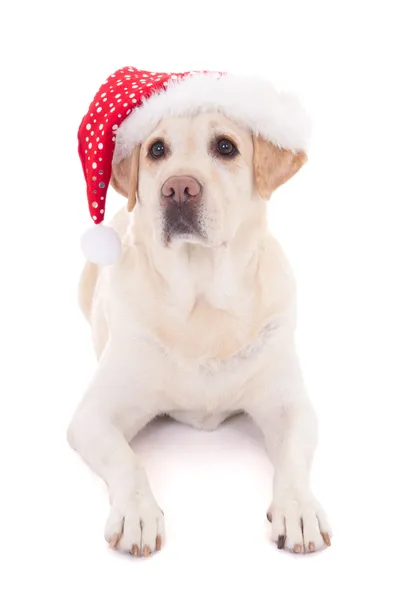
(195, 179)
(198, 179)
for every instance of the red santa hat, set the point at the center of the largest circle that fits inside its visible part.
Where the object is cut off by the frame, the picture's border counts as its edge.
(131, 102)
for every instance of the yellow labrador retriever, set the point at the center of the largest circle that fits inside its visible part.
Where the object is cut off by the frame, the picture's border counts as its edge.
(197, 321)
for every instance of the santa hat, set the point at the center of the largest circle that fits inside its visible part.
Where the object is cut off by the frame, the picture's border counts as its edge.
(131, 102)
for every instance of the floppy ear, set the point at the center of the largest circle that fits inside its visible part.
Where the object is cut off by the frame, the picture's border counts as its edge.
(273, 166)
(124, 177)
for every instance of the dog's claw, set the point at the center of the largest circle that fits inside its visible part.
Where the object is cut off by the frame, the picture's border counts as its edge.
(114, 541)
(281, 542)
(326, 538)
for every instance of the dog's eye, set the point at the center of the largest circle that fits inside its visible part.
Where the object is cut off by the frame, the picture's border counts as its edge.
(226, 148)
(157, 150)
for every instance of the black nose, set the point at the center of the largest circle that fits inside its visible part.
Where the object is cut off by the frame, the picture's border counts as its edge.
(181, 189)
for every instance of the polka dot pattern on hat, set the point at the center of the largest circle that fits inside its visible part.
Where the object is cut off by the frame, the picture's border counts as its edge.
(123, 91)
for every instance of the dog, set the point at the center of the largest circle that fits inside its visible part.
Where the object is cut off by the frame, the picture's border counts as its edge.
(197, 321)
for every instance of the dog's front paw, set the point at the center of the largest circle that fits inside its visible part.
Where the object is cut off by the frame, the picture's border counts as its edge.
(136, 526)
(299, 525)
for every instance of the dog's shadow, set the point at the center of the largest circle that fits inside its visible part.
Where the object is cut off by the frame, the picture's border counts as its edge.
(171, 451)
(164, 433)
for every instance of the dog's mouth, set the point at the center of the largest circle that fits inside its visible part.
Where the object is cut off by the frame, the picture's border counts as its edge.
(183, 221)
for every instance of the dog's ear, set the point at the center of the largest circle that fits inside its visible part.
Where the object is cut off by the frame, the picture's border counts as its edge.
(124, 177)
(273, 166)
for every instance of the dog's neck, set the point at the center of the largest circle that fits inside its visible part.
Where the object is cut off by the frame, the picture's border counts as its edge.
(209, 303)
(221, 276)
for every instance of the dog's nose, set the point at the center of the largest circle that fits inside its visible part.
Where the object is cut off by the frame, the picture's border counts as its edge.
(181, 189)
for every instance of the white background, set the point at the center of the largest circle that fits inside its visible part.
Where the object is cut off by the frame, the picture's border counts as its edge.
(339, 223)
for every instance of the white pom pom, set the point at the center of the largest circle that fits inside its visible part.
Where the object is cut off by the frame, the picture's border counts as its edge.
(101, 245)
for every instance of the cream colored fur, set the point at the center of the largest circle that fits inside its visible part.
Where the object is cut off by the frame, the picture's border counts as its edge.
(198, 329)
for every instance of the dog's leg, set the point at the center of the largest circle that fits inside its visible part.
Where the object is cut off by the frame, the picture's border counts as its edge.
(112, 411)
(289, 424)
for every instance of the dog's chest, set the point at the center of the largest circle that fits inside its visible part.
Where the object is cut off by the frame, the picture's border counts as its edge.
(211, 384)
(205, 358)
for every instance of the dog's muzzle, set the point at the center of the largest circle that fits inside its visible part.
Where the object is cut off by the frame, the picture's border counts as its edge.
(181, 199)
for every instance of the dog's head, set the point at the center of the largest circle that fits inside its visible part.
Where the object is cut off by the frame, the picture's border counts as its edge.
(198, 179)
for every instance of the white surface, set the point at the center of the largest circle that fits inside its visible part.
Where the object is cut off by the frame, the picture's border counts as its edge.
(339, 223)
